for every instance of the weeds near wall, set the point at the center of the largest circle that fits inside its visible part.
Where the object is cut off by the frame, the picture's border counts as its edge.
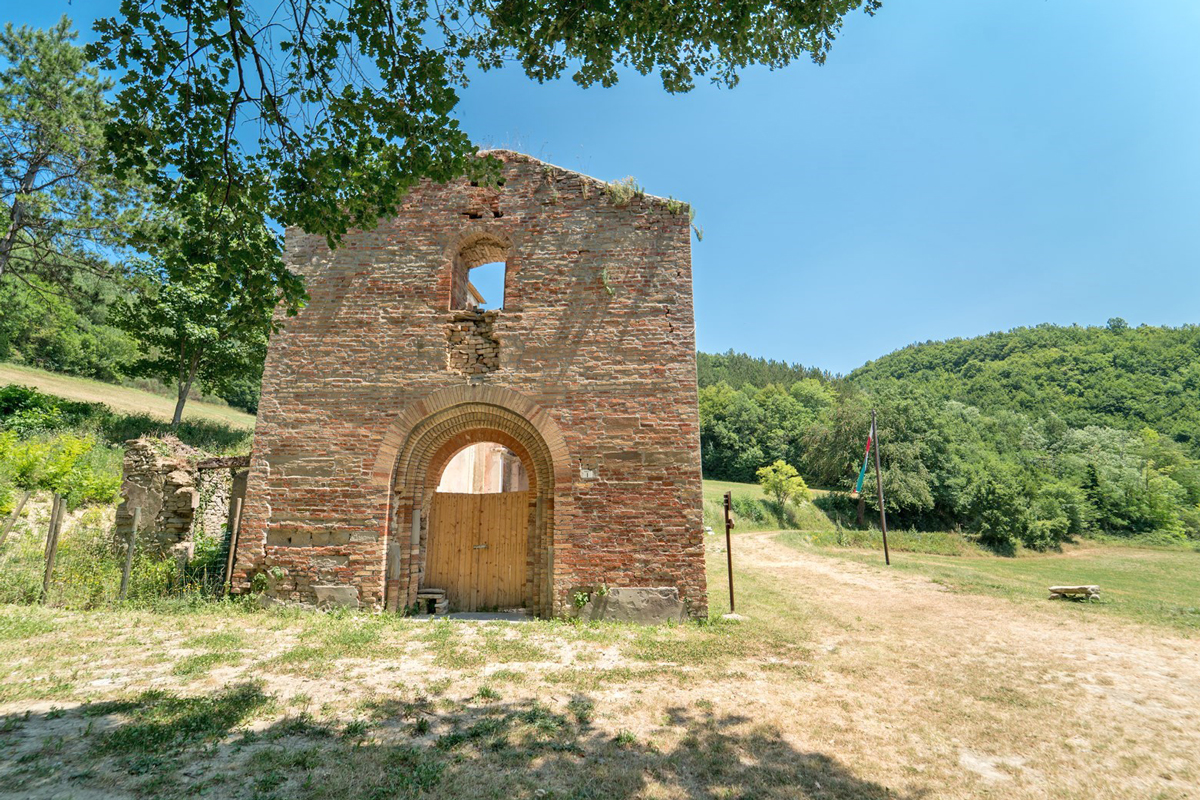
(87, 570)
(548, 173)
(622, 192)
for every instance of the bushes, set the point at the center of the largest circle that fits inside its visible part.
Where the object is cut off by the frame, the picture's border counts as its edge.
(78, 468)
(43, 327)
(87, 571)
(28, 412)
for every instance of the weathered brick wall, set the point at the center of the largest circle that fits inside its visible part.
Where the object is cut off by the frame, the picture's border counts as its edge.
(596, 351)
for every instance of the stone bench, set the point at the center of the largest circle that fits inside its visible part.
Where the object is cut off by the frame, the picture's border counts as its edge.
(1062, 592)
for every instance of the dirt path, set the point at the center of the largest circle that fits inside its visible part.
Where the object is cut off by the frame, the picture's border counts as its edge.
(1036, 700)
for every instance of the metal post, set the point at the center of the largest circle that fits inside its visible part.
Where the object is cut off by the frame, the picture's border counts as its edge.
(729, 544)
(137, 522)
(887, 559)
(233, 542)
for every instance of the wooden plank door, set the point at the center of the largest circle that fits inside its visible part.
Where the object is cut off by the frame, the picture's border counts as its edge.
(477, 549)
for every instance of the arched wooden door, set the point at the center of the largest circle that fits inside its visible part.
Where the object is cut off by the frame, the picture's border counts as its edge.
(478, 549)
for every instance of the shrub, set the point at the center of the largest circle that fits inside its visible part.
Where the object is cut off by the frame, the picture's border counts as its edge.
(781, 481)
(28, 412)
(623, 191)
(80, 469)
(749, 508)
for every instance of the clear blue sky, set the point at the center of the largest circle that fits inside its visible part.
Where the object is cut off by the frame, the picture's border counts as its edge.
(955, 168)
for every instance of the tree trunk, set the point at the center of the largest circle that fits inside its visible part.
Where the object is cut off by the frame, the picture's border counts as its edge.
(862, 508)
(185, 386)
(16, 215)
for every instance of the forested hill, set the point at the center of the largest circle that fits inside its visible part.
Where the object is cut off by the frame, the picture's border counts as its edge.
(1026, 437)
(1115, 376)
(739, 369)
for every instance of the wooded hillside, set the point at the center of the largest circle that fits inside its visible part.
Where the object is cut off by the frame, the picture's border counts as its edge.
(1029, 436)
(1115, 376)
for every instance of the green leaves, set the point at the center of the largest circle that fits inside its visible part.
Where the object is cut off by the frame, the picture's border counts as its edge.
(783, 482)
(995, 468)
(322, 115)
(75, 467)
(203, 303)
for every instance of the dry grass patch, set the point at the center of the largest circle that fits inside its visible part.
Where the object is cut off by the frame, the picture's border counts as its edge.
(845, 682)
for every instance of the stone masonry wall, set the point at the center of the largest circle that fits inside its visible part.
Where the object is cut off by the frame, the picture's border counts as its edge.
(473, 349)
(180, 493)
(159, 478)
(596, 338)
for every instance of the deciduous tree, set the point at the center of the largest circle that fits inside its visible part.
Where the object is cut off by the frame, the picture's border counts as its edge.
(205, 300)
(783, 482)
(323, 114)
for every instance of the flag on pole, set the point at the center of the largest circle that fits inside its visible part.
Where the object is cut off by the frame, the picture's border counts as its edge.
(862, 473)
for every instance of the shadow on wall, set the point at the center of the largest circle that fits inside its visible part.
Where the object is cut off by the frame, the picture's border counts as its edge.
(164, 745)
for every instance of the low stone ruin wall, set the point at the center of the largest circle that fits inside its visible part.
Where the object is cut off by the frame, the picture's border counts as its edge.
(181, 493)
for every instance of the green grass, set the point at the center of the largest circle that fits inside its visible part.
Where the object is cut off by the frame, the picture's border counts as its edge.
(121, 399)
(753, 511)
(1157, 586)
(946, 543)
(201, 664)
(161, 723)
(715, 490)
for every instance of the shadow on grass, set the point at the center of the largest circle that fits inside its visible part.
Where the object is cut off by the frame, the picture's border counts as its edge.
(163, 745)
(211, 436)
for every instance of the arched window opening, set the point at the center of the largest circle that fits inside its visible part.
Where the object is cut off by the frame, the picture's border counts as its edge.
(480, 275)
(484, 468)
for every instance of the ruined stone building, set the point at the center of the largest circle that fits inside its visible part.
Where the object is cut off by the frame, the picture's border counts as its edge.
(583, 373)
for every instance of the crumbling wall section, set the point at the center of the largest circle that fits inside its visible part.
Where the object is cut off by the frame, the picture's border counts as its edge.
(160, 479)
(214, 487)
(472, 347)
(180, 492)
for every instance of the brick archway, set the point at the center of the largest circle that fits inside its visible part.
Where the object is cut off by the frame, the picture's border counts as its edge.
(436, 429)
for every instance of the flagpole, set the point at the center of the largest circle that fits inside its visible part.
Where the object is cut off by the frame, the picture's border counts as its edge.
(887, 559)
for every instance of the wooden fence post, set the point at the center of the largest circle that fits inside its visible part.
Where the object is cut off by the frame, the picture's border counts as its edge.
(233, 541)
(137, 520)
(56, 515)
(8, 526)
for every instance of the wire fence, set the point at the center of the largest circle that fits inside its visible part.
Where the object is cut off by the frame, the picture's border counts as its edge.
(80, 565)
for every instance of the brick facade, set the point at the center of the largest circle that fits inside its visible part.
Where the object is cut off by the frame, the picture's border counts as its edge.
(588, 374)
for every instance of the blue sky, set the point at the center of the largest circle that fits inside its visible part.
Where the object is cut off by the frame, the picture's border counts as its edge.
(955, 168)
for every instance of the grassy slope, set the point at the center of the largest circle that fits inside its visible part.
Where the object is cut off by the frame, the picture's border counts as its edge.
(119, 398)
(807, 517)
(1158, 586)
(715, 490)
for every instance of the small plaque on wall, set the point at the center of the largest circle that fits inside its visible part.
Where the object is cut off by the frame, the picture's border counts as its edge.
(588, 473)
